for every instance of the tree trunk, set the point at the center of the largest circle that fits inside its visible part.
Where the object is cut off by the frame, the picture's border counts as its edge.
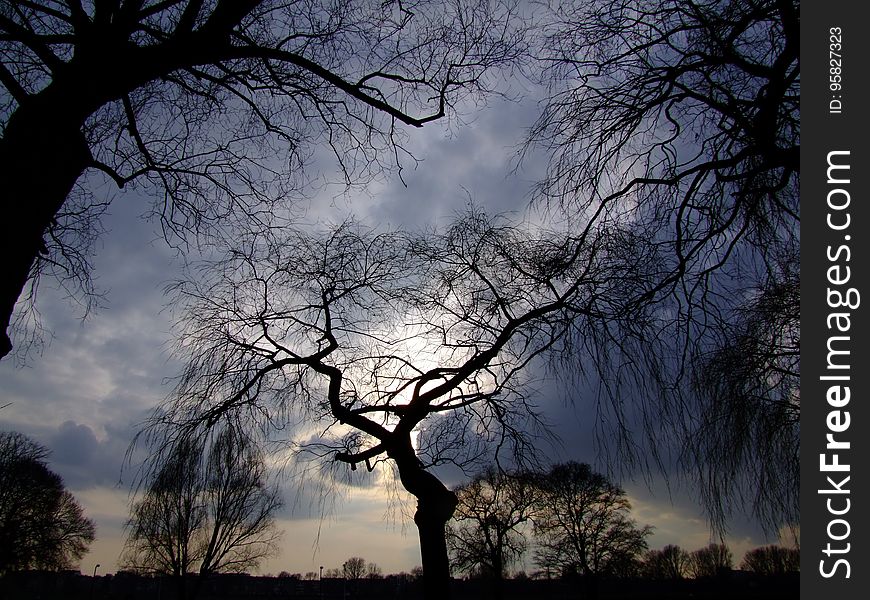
(431, 519)
(497, 584)
(42, 154)
(181, 587)
(435, 506)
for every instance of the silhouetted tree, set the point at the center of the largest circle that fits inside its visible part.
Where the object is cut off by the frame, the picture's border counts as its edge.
(772, 560)
(671, 562)
(583, 524)
(681, 117)
(413, 347)
(746, 438)
(191, 102)
(373, 571)
(41, 524)
(485, 535)
(710, 561)
(354, 567)
(206, 509)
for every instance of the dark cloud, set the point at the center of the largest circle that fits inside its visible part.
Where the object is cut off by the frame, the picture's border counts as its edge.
(74, 445)
(84, 460)
(473, 163)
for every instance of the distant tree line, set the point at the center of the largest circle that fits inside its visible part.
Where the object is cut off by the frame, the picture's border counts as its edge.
(579, 524)
(669, 563)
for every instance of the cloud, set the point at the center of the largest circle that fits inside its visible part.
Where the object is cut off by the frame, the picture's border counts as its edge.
(74, 445)
(107, 369)
(471, 162)
(97, 462)
(84, 460)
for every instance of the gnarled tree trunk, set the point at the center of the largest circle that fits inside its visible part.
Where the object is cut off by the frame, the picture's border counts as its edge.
(435, 506)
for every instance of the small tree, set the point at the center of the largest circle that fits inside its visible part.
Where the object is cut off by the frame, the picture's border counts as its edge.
(710, 561)
(583, 525)
(671, 562)
(41, 524)
(354, 567)
(485, 534)
(772, 560)
(373, 571)
(206, 509)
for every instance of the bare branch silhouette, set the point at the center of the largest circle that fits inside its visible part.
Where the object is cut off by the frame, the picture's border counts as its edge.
(583, 525)
(486, 534)
(414, 349)
(206, 507)
(681, 120)
(212, 108)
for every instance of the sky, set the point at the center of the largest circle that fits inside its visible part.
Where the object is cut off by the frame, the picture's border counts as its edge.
(85, 395)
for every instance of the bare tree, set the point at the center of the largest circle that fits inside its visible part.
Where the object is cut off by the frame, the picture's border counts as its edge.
(404, 349)
(772, 560)
(746, 435)
(206, 510)
(681, 117)
(354, 567)
(164, 523)
(710, 561)
(190, 101)
(671, 562)
(583, 524)
(41, 524)
(373, 571)
(485, 535)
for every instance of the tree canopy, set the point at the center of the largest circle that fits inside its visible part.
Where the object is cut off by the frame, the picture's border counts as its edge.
(485, 535)
(669, 563)
(710, 561)
(191, 102)
(682, 119)
(206, 507)
(772, 560)
(41, 524)
(577, 521)
(583, 524)
(405, 349)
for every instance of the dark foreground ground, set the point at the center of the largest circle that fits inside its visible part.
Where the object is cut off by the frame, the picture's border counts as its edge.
(74, 586)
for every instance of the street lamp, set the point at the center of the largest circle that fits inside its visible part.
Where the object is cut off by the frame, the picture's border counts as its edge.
(94, 579)
(321, 582)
